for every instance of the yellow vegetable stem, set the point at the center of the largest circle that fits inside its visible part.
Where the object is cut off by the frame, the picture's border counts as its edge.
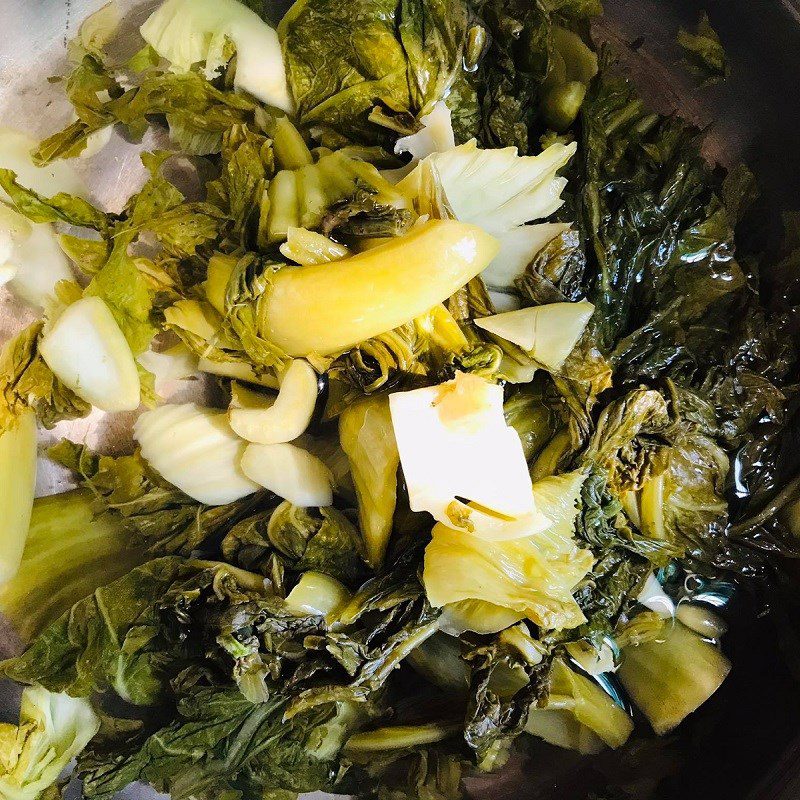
(651, 504)
(328, 308)
(17, 485)
(367, 438)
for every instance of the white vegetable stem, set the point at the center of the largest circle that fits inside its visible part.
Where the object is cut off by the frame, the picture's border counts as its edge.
(195, 449)
(435, 136)
(86, 349)
(656, 599)
(17, 487)
(291, 472)
(518, 247)
(186, 32)
(287, 416)
(497, 189)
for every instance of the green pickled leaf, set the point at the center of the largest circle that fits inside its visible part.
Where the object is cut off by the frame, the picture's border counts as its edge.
(126, 292)
(68, 554)
(703, 53)
(27, 382)
(401, 54)
(219, 745)
(302, 539)
(157, 516)
(89, 255)
(112, 639)
(60, 207)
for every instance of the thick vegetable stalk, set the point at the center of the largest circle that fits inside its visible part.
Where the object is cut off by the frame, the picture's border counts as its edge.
(17, 486)
(579, 715)
(69, 553)
(367, 437)
(186, 32)
(670, 677)
(328, 308)
(194, 449)
(87, 350)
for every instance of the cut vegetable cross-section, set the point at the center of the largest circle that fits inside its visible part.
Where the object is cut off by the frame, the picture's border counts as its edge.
(187, 32)
(291, 472)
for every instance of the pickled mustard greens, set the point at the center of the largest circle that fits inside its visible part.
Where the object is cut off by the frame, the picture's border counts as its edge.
(494, 383)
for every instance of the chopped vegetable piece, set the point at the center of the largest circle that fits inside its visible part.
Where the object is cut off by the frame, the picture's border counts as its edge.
(518, 247)
(31, 261)
(578, 714)
(309, 247)
(533, 575)
(285, 418)
(187, 32)
(330, 307)
(496, 189)
(367, 437)
(318, 594)
(454, 443)
(291, 472)
(53, 729)
(17, 484)
(88, 352)
(195, 449)
(548, 333)
(673, 676)
(436, 134)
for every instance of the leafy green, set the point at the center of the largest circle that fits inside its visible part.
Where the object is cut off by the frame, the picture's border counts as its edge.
(628, 442)
(68, 553)
(505, 684)
(114, 638)
(27, 382)
(361, 217)
(296, 539)
(187, 100)
(531, 417)
(703, 53)
(400, 55)
(125, 291)
(220, 744)
(52, 730)
(60, 207)
(556, 273)
(157, 516)
(520, 56)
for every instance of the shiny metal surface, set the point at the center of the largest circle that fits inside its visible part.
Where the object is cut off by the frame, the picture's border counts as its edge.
(735, 746)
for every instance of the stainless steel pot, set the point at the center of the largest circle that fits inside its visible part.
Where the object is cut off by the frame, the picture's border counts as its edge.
(745, 743)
